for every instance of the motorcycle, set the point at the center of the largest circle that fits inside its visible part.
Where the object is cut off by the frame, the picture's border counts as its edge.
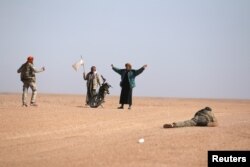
(99, 98)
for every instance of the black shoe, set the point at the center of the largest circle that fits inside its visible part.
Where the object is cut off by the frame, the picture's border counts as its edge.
(168, 126)
(121, 107)
(25, 105)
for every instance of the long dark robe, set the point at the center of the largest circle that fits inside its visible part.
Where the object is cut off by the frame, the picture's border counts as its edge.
(126, 92)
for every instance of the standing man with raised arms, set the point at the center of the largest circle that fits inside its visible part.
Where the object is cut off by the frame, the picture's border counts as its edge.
(127, 83)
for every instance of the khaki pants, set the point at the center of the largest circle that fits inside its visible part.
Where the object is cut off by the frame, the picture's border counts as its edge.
(196, 121)
(26, 86)
(185, 123)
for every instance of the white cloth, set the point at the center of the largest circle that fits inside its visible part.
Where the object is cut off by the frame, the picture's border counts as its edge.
(78, 64)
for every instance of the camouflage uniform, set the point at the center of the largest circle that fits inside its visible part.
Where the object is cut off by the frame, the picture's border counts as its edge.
(201, 118)
(204, 117)
(28, 78)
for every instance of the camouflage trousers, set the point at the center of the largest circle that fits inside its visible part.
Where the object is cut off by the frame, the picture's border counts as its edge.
(26, 85)
(196, 121)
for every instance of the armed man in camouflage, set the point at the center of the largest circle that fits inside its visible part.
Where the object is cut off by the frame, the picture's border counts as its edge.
(28, 78)
(204, 117)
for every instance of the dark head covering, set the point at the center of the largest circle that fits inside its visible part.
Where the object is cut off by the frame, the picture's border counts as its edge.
(128, 65)
(208, 109)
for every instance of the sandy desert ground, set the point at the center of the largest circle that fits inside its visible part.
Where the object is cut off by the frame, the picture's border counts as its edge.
(63, 132)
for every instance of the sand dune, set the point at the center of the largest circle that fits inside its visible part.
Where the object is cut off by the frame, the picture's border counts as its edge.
(63, 132)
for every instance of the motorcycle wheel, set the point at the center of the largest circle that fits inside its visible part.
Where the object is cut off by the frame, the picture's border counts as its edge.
(95, 101)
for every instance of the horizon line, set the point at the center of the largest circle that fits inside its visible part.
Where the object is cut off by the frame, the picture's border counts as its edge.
(136, 96)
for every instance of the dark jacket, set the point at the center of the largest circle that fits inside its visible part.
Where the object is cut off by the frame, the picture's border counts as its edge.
(131, 75)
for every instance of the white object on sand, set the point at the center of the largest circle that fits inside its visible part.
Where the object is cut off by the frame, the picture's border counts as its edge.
(141, 141)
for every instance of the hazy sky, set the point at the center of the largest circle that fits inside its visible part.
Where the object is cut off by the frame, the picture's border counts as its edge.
(193, 48)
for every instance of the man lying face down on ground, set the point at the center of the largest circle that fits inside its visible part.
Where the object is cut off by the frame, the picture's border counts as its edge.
(204, 117)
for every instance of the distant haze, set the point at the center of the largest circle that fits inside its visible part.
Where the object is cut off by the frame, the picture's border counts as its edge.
(193, 48)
